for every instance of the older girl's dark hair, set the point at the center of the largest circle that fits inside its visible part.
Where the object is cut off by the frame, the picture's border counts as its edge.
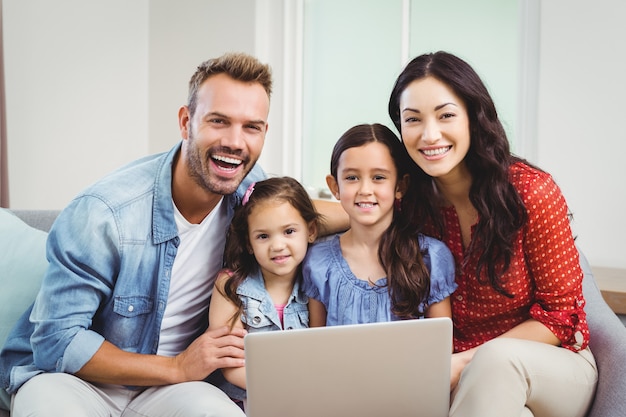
(237, 257)
(399, 252)
(501, 211)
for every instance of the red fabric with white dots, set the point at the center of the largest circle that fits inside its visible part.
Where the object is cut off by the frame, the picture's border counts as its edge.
(545, 274)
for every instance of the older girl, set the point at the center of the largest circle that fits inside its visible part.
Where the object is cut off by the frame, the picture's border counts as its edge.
(379, 270)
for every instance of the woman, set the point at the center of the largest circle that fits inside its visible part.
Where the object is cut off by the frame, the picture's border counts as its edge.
(520, 332)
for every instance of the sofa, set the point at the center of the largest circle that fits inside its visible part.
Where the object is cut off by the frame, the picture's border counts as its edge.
(22, 262)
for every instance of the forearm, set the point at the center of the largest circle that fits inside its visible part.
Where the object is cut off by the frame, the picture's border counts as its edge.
(214, 349)
(334, 220)
(533, 330)
(236, 376)
(111, 365)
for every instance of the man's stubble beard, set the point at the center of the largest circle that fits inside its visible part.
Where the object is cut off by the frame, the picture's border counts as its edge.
(198, 170)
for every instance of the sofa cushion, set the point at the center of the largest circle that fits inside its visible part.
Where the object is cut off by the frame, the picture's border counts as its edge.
(22, 266)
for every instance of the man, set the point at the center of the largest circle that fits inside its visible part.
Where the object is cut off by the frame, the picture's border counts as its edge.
(118, 327)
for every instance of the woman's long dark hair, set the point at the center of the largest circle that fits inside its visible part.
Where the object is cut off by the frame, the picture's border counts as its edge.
(399, 252)
(238, 259)
(501, 210)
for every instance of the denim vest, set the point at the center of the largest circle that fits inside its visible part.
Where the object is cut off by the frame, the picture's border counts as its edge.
(260, 315)
(111, 252)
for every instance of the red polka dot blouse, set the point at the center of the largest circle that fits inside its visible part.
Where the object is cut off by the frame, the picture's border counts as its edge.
(544, 276)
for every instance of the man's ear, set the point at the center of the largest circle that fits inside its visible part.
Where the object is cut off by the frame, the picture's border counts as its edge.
(184, 122)
(402, 186)
(333, 186)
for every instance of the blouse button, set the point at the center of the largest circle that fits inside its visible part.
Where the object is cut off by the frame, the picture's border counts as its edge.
(256, 320)
(459, 297)
(131, 308)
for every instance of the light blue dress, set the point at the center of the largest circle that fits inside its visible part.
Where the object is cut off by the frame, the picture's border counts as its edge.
(350, 300)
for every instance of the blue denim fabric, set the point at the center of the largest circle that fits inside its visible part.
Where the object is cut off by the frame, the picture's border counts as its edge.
(260, 315)
(111, 253)
(350, 300)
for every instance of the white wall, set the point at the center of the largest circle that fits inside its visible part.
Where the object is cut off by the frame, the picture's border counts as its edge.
(582, 104)
(92, 85)
(95, 84)
(76, 81)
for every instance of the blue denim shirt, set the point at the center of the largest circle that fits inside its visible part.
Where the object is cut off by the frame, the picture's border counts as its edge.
(111, 253)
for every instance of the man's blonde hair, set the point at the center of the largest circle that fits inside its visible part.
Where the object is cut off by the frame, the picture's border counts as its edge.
(239, 66)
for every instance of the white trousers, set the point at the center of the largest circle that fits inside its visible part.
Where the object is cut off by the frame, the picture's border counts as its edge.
(59, 394)
(515, 378)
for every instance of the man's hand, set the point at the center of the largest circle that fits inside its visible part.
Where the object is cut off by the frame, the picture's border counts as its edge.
(215, 349)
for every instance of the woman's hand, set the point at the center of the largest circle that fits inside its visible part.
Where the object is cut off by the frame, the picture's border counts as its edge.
(459, 362)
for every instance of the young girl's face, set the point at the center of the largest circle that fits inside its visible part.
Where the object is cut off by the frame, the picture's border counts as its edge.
(435, 127)
(367, 184)
(279, 237)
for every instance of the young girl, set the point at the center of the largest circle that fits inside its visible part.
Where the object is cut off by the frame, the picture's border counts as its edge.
(520, 333)
(379, 270)
(260, 288)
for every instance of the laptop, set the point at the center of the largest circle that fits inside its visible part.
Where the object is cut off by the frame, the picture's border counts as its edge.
(391, 369)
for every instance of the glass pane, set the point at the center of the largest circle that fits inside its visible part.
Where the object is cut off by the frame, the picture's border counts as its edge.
(485, 33)
(351, 57)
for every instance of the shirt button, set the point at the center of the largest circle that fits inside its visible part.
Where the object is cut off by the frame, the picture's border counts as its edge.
(459, 297)
(130, 309)
(256, 320)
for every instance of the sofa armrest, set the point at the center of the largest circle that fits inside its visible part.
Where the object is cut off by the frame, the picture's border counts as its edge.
(608, 344)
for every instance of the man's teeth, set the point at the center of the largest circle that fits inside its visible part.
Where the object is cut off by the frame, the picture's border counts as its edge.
(232, 161)
(438, 151)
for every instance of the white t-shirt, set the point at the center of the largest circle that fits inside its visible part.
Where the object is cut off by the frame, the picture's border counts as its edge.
(198, 259)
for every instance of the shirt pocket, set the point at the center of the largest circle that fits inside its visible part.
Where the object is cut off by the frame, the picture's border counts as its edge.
(298, 319)
(254, 319)
(127, 324)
